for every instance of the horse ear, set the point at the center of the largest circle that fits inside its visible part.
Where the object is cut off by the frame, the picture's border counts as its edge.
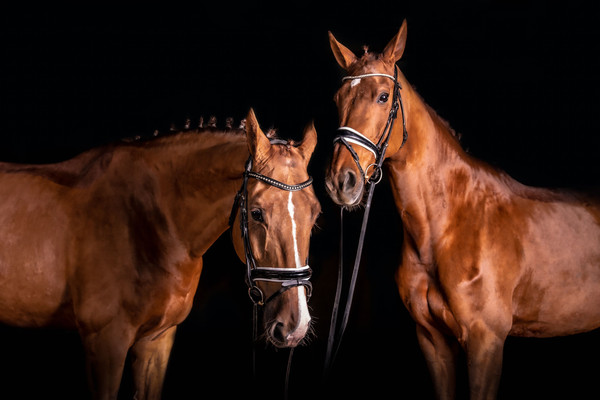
(395, 48)
(258, 142)
(309, 141)
(343, 55)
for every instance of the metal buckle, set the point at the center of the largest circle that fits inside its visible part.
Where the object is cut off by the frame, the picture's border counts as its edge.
(307, 289)
(376, 174)
(256, 295)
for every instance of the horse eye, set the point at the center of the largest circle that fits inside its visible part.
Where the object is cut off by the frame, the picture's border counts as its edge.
(383, 97)
(257, 215)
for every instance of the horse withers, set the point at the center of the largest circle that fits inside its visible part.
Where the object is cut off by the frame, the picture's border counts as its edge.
(111, 242)
(483, 256)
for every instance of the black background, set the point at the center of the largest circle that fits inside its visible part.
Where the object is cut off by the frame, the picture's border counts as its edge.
(519, 81)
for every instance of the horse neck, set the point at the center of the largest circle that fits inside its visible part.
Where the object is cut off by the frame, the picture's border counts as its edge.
(200, 178)
(422, 171)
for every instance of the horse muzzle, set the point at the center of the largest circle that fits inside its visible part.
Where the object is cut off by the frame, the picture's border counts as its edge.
(291, 324)
(345, 187)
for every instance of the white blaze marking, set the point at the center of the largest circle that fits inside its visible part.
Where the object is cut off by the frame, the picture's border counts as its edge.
(304, 323)
(291, 211)
(298, 333)
(354, 82)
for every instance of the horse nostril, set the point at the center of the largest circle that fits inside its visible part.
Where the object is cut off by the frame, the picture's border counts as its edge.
(345, 187)
(278, 333)
(348, 181)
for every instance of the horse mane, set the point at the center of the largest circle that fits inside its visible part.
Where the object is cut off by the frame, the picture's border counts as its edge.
(204, 137)
(175, 134)
(434, 114)
(541, 194)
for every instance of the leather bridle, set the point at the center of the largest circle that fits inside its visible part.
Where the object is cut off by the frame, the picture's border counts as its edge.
(348, 136)
(287, 277)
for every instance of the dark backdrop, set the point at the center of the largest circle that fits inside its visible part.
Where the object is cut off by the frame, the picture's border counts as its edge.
(518, 79)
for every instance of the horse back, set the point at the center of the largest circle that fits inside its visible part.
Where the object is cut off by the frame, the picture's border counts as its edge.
(79, 171)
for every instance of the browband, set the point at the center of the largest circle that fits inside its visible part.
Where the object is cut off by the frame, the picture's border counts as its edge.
(280, 185)
(367, 75)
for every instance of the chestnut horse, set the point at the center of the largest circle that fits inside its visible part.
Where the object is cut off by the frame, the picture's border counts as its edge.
(483, 256)
(111, 242)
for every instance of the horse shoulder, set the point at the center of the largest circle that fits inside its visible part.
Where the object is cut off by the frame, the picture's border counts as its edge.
(479, 252)
(418, 288)
(155, 274)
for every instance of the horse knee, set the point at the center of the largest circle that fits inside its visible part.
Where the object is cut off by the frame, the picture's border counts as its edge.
(440, 352)
(149, 364)
(105, 355)
(484, 346)
(480, 335)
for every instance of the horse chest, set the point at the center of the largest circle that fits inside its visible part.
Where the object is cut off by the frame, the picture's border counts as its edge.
(420, 291)
(435, 280)
(172, 297)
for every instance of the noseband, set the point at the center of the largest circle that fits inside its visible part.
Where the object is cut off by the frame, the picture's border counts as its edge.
(287, 277)
(348, 135)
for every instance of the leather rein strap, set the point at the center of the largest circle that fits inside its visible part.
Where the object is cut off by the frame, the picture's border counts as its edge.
(348, 136)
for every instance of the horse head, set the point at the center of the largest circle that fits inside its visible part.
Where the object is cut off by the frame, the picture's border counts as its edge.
(367, 103)
(278, 210)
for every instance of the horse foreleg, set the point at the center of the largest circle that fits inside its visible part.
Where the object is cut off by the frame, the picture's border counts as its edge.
(105, 353)
(484, 349)
(440, 352)
(149, 362)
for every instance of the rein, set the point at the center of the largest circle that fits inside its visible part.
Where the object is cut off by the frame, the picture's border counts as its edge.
(287, 277)
(348, 136)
